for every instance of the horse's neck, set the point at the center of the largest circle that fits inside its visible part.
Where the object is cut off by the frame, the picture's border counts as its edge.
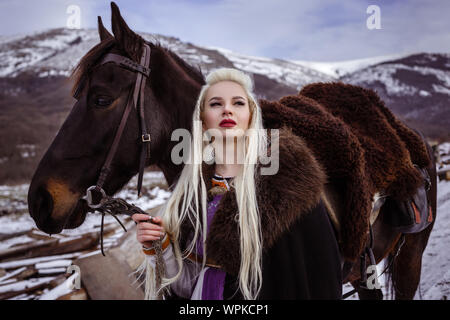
(184, 94)
(170, 171)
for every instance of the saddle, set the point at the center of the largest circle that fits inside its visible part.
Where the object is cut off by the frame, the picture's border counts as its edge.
(368, 154)
(414, 214)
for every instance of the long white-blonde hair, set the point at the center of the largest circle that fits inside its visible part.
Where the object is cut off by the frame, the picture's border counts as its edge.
(190, 187)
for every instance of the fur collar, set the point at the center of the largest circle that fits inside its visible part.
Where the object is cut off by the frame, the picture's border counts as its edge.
(282, 199)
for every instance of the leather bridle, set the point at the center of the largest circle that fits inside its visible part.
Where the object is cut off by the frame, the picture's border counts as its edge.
(108, 204)
(143, 72)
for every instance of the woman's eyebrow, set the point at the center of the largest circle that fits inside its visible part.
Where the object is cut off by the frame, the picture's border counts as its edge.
(220, 98)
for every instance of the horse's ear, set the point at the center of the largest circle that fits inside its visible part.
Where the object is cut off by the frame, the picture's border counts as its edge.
(126, 39)
(102, 32)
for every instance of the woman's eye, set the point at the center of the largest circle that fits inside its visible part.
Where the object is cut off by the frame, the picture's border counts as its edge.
(240, 103)
(214, 104)
(103, 101)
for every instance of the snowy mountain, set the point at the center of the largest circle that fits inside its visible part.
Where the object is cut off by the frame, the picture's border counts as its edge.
(411, 85)
(415, 87)
(56, 52)
(35, 91)
(340, 68)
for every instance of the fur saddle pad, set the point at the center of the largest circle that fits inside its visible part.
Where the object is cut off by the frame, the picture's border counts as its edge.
(364, 148)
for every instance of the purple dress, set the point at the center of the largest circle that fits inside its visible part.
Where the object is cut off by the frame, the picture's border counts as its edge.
(214, 279)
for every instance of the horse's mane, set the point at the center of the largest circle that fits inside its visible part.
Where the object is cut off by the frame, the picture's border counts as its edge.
(195, 73)
(88, 60)
(84, 66)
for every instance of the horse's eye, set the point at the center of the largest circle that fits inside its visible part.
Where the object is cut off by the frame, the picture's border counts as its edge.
(103, 101)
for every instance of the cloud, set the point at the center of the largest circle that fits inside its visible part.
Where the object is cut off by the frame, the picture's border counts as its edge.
(322, 30)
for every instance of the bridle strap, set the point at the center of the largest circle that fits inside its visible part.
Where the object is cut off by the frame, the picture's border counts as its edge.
(127, 63)
(145, 136)
(108, 204)
(138, 95)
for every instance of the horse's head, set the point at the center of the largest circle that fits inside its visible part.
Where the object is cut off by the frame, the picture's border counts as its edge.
(74, 159)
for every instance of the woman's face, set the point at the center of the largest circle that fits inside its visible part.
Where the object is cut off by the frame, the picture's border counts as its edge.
(226, 108)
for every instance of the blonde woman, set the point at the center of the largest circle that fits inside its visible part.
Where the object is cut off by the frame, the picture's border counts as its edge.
(233, 229)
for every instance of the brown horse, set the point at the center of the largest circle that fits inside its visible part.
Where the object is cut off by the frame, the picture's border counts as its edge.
(73, 161)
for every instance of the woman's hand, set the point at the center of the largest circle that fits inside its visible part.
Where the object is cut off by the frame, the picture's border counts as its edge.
(147, 231)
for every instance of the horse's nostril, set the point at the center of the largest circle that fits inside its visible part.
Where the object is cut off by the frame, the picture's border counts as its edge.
(43, 205)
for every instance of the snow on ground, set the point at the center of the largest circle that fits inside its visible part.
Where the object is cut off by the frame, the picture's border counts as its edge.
(16, 196)
(154, 196)
(444, 148)
(435, 279)
(13, 198)
(12, 223)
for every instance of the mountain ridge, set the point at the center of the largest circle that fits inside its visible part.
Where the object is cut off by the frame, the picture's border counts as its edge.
(35, 88)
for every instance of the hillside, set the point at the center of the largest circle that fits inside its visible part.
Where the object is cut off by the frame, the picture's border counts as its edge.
(35, 88)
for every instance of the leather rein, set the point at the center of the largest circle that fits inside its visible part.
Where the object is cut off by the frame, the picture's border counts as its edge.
(107, 204)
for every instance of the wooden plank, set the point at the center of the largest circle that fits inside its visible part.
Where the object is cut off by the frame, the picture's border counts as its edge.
(26, 248)
(20, 274)
(444, 174)
(6, 236)
(51, 247)
(27, 273)
(31, 261)
(443, 170)
(53, 264)
(14, 289)
(51, 271)
(12, 274)
(39, 235)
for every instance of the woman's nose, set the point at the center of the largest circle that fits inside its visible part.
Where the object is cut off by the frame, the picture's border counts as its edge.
(227, 109)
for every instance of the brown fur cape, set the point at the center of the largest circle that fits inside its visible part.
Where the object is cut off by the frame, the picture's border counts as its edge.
(362, 146)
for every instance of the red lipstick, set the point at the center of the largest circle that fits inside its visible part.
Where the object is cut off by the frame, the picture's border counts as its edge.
(227, 123)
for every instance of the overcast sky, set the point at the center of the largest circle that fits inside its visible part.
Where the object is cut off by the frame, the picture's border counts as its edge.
(319, 30)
